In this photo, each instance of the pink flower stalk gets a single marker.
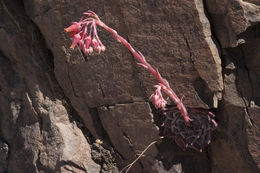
(190, 128)
(89, 21)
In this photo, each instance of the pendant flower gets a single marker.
(87, 41)
(157, 98)
(75, 27)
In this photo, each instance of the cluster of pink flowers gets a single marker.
(84, 33)
(157, 99)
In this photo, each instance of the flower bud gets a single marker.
(90, 50)
(75, 27)
(95, 44)
(103, 48)
(88, 41)
(81, 44)
(76, 39)
(99, 49)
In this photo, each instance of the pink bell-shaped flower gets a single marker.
(157, 98)
(87, 41)
(76, 39)
(75, 27)
(95, 44)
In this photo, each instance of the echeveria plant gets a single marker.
(191, 128)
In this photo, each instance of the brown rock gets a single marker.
(235, 24)
(46, 89)
(131, 129)
(254, 134)
(34, 120)
(235, 117)
(3, 155)
(230, 18)
(183, 52)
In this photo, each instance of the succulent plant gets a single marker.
(191, 128)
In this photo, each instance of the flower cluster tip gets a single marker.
(84, 34)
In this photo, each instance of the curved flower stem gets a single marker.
(166, 88)
(178, 125)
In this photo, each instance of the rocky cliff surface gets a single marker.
(55, 102)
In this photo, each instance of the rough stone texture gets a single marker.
(3, 155)
(238, 114)
(133, 132)
(34, 120)
(182, 53)
(104, 158)
(254, 134)
(231, 136)
(175, 159)
(55, 102)
(235, 24)
(230, 18)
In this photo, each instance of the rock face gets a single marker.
(55, 102)
(36, 119)
(3, 155)
(231, 18)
